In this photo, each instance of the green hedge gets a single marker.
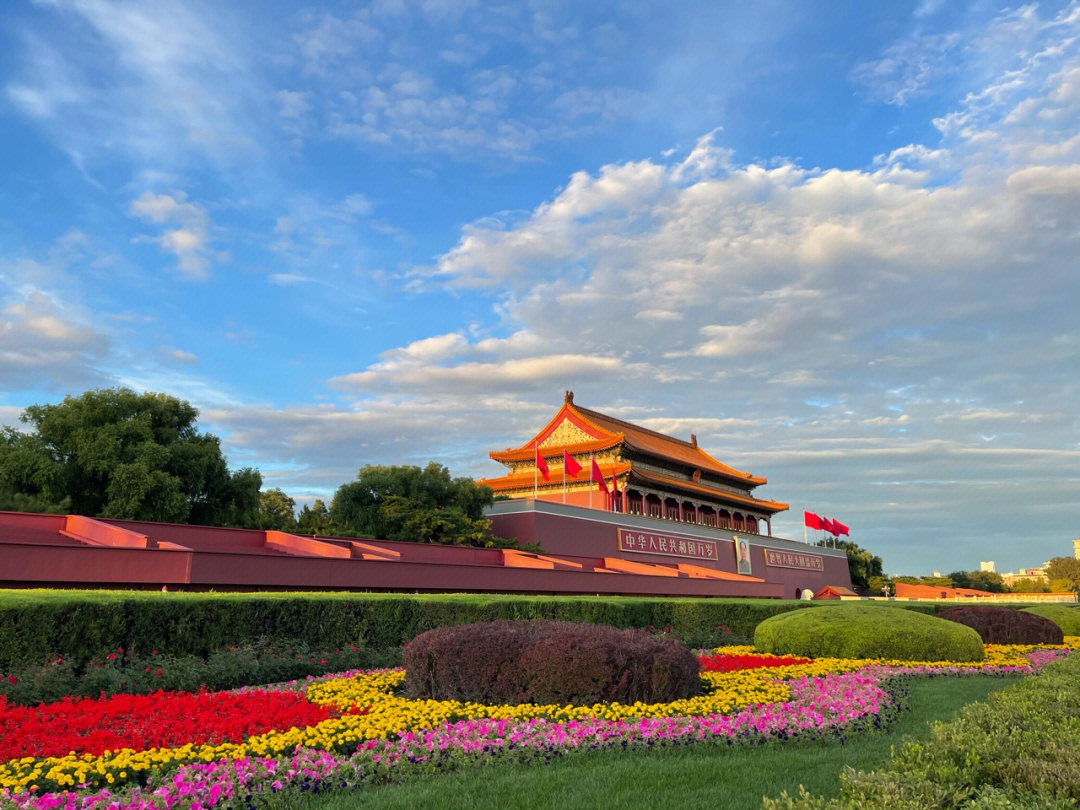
(856, 630)
(1020, 750)
(1067, 617)
(35, 625)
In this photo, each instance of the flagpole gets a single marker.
(591, 459)
(536, 467)
(564, 458)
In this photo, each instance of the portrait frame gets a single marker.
(743, 566)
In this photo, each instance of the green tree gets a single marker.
(861, 563)
(1065, 569)
(1028, 585)
(978, 580)
(315, 519)
(414, 505)
(116, 453)
(277, 511)
(875, 586)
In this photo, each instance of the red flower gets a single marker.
(323, 662)
(153, 652)
(354, 649)
(733, 663)
(120, 650)
(157, 672)
(11, 679)
(148, 669)
(163, 719)
(111, 656)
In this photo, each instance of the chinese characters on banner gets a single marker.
(793, 559)
(651, 543)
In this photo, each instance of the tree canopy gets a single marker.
(115, 453)
(413, 504)
(978, 580)
(861, 563)
(1064, 573)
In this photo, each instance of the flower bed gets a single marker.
(140, 722)
(387, 732)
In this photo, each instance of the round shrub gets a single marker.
(867, 631)
(1067, 617)
(545, 662)
(1001, 625)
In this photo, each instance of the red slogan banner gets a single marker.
(649, 543)
(793, 559)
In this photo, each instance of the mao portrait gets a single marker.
(742, 556)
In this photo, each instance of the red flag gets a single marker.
(841, 528)
(811, 521)
(571, 467)
(541, 465)
(598, 476)
(614, 485)
(830, 526)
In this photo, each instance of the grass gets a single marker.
(689, 777)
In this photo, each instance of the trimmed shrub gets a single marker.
(999, 625)
(867, 631)
(129, 672)
(546, 662)
(1067, 617)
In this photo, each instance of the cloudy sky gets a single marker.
(837, 241)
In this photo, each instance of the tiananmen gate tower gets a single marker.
(646, 473)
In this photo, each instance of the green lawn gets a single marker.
(684, 778)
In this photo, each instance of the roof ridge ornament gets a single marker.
(568, 397)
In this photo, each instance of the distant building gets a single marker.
(1035, 574)
(1076, 549)
(988, 566)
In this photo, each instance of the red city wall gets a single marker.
(74, 551)
(595, 533)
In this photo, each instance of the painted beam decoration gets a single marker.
(667, 544)
(793, 559)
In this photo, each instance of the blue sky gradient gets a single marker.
(836, 240)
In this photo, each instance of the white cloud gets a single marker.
(175, 85)
(188, 240)
(377, 80)
(44, 346)
(906, 69)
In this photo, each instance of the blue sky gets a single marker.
(836, 241)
